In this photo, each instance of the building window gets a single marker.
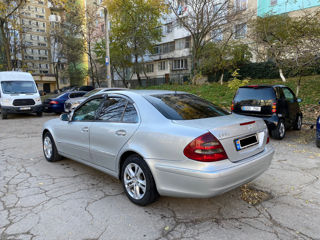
(180, 64)
(162, 65)
(273, 2)
(241, 5)
(240, 30)
(44, 24)
(169, 27)
(149, 68)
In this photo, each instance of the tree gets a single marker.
(217, 57)
(8, 10)
(135, 28)
(205, 20)
(271, 38)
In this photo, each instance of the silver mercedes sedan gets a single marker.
(161, 143)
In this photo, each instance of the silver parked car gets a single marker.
(161, 142)
(72, 103)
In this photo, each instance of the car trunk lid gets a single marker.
(230, 128)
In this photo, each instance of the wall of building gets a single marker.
(284, 6)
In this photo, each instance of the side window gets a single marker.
(87, 111)
(112, 109)
(288, 94)
(130, 115)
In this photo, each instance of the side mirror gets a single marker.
(299, 100)
(65, 117)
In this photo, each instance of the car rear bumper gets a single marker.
(49, 108)
(207, 180)
(22, 109)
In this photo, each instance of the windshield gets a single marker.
(92, 92)
(184, 106)
(254, 94)
(12, 87)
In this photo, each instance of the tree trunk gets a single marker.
(57, 75)
(221, 78)
(137, 70)
(6, 46)
(298, 86)
(281, 75)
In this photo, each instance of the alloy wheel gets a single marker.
(134, 181)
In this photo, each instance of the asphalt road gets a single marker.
(67, 200)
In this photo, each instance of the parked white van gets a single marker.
(19, 94)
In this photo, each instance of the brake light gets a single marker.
(253, 86)
(247, 123)
(53, 102)
(232, 106)
(205, 148)
(274, 107)
(268, 140)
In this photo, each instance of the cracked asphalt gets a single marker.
(67, 200)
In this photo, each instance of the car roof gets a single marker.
(262, 86)
(150, 92)
(15, 76)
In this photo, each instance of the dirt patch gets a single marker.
(254, 196)
(310, 113)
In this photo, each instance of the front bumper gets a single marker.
(209, 179)
(22, 109)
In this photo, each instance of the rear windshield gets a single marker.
(92, 92)
(184, 106)
(254, 94)
(15, 87)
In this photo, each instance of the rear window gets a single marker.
(254, 94)
(184, 106)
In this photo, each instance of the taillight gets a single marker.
(274, 107)
(205, 148)
(232, 106)
(53, 102)
(268, 140)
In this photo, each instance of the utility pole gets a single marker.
(106, 22)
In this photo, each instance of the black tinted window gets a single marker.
(87, 111)
(130, 114)
(184, 106)
(288, 94)
(112, 109)
(254, 94)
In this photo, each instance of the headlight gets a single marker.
(5, 102)
(38, 99)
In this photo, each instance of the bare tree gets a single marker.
(206, 19)
(8, 10)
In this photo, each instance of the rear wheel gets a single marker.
(49, 148)
(138, 182)
(298, 123)
(280, 131)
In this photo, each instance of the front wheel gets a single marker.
(49, 148)
(280, 131)
(39, 114)
(318, 143)
(298, 123)
(138, 182)
(4, 114)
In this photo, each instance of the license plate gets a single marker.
(246, 142)
(251, 108)
(25, 108)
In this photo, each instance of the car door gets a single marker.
(74, 136)
(116, 123)
(291, 105)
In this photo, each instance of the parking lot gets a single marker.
(67, 200)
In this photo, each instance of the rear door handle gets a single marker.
(85, 129)
(121, 133)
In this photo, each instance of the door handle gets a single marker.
(121, 133)
(85, 129)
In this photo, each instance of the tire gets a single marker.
(4, 114)
(298, 123)
(144, 193)
(39, 114)
(318, 143)
(47, 143)
(280, 131)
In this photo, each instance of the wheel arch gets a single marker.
(123, 157)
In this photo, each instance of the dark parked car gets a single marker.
(56, 104)
(86, 88)
(276, 104)
(318, 131)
